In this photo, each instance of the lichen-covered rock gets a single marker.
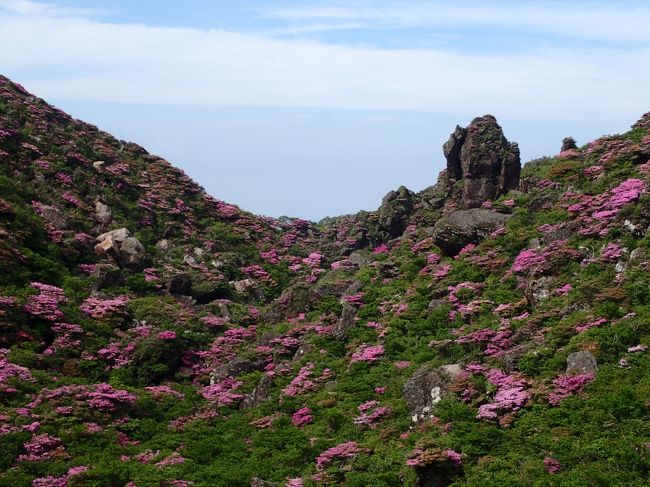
(164, 245)
(118, 235)
(538, 290)
(482, 159)
(582, 362)
(459, 228)
(103, 214)
(427, 387)
(257, 482)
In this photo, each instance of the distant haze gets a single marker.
(320, 109)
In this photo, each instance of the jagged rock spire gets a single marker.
(483, 159)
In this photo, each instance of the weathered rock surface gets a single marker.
(257, 482)
(568, 143)
(427, 387)
(237, 366)
(483, 159)
(118, 235)
(345, 321)
(54, 216)
(102, 213)
(132, 252)
(459, 228)
(107, 275)
(392, 216)
(125, 250)
(258, 395)
(180, 284)
(582, 362)
(164, 245)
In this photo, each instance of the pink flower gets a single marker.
(167, 335)
(367, 353)
(552, 465)
(302, 417)
(349, 449)
(381, 249)
(568, 385)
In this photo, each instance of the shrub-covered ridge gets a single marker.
(197, 344)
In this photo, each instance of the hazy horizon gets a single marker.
(315, 109)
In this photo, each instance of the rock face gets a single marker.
(463, 227)
(393, 213)
(483, 159)
(581, 362)
(568, 143)
(107, 275)
(124, 249)
(102, 213)
(54, 216)
(427, 387)
(180, 284)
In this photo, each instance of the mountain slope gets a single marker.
(471, 334)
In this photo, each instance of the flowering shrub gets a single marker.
(9, 370)
(422, 457)
(105, 397)
(99, 308)
(42, 447)
(371, 413)
(45, 304)
(62, 481)
(300, 382)
(222, 393)
(510, 395)
(367, 353)
(348, 449)
(302, 417)
(527, 259)
(552, 465)
(568, 385)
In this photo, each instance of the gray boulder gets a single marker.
(125, 250)
(164, 245)
(427, 387)
(54, 216)
(459, 228)
(102, 213)
(180, 284)
(581, 362)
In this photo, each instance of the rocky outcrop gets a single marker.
(103, 214)
(582, 362)
(54, 216)
(568, 143)
(459, 228)
(180, 284)
(427, 387)
(393, 214)
(125, 250)
(484, 161)
(107, 275)
(259, 394)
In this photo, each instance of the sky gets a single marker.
(319, 108)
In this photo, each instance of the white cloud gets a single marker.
(79, 57)
(605, 21)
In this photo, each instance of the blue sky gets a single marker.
(318, 108)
